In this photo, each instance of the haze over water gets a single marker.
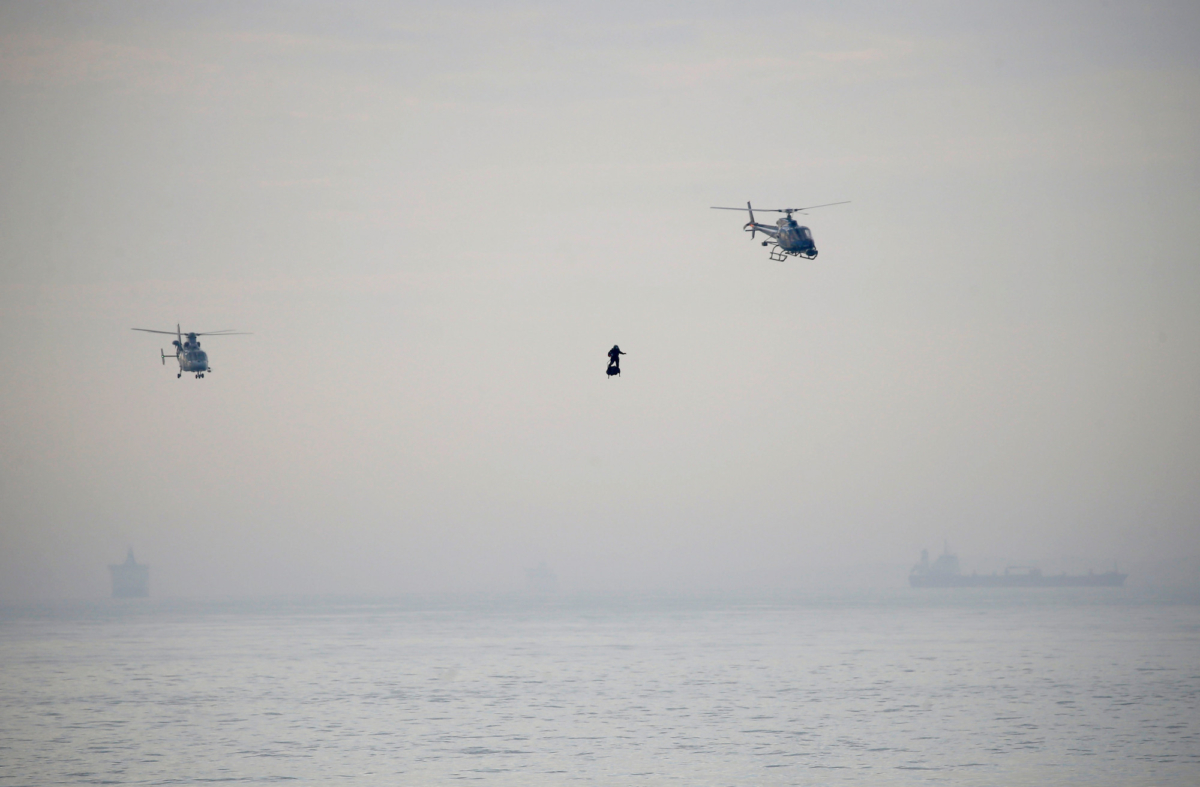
(436, 220)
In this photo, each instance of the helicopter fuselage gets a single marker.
(789, 236)
(191, 358)
(193, 361)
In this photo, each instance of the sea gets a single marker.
(955, 687)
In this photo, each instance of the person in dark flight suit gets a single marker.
(614, 358)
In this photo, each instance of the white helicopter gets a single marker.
(191, 358)
(789, 238)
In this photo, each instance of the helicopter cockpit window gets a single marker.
(806, 233)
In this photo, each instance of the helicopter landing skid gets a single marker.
(779, 255)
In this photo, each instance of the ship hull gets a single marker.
(1108, 579)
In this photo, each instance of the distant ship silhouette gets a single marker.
(943, 573)
(130, 579)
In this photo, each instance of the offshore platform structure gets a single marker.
(130, 579)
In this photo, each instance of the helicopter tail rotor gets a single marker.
(751, 225)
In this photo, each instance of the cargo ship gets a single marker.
(944, 573)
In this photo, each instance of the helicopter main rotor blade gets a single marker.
(810, 207)
(775, 210)
(788, 210)
(771, 210)
(226, 332)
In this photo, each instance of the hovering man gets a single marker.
(614, 359)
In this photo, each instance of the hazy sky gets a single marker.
(437, 218)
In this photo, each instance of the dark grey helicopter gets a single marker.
(191, 358)
(789, 238)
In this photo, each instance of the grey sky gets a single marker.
(436, 219)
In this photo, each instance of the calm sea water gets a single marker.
(962, 688)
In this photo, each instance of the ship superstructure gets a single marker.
(130, 579)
